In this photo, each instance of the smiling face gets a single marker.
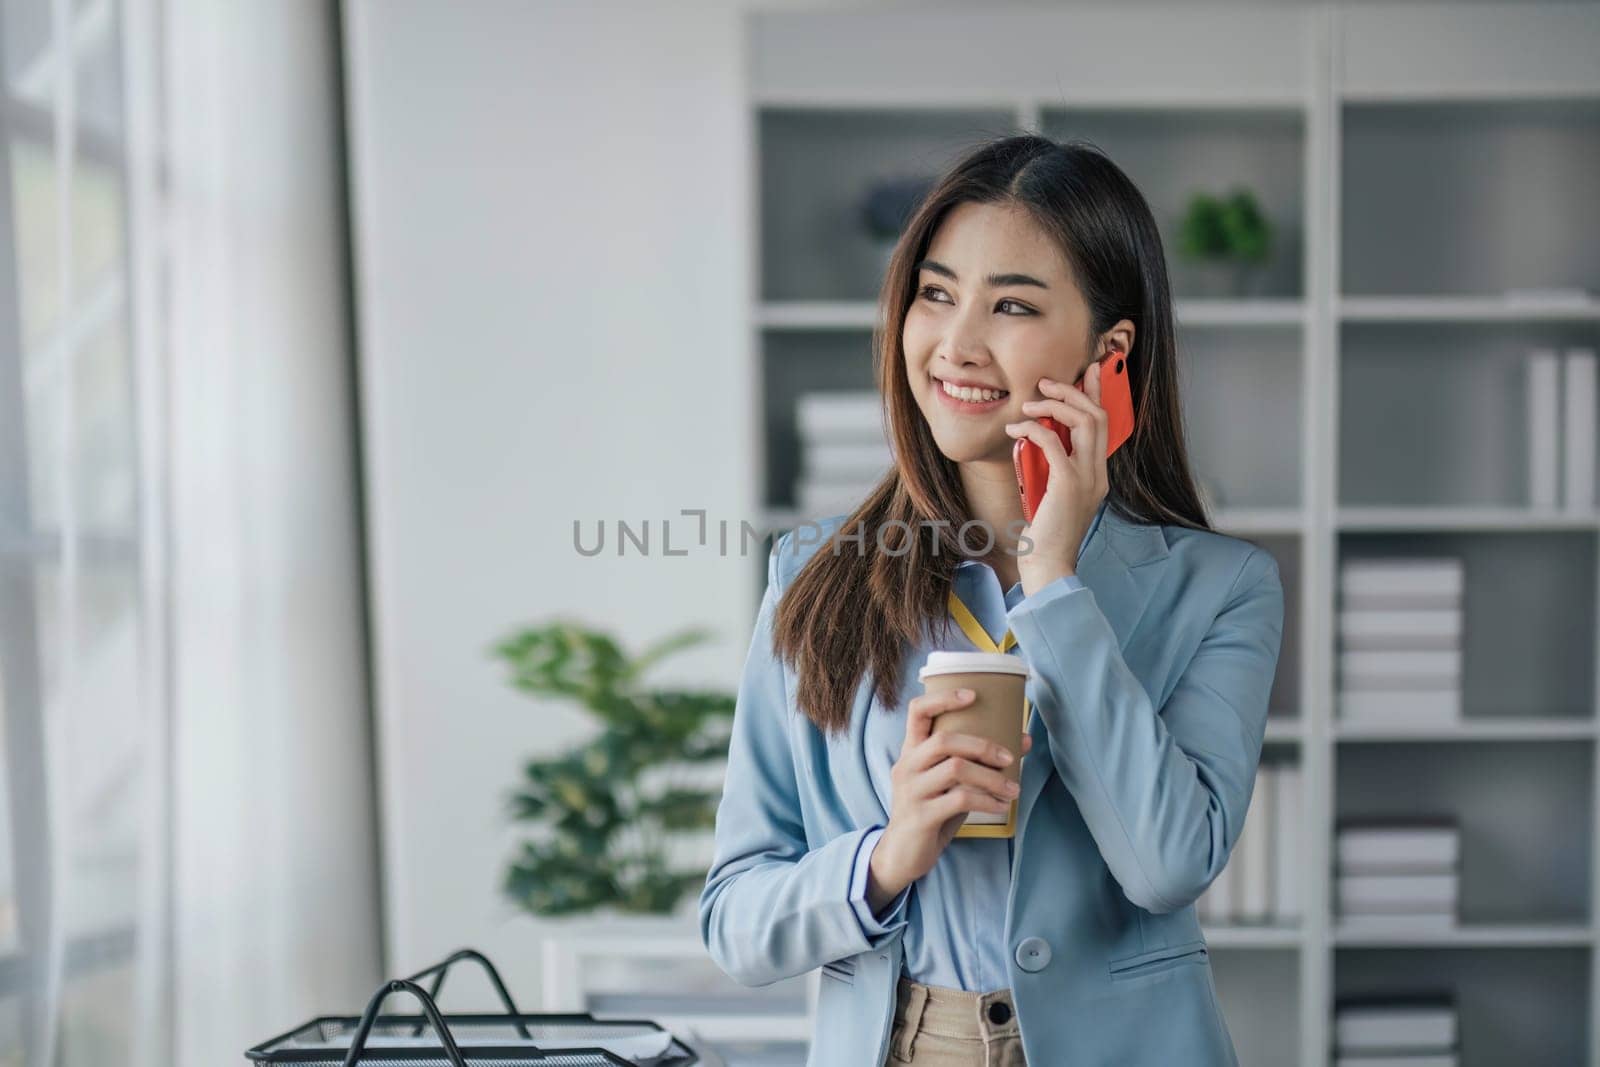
(995, 309)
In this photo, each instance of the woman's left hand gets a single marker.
(1077, 483)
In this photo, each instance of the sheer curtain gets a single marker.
(187, 853)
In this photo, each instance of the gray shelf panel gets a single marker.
(1436, 414)
(1241, 393)
(1289, 552)
(799, 362)
(1514, 1006)
(1259, 990)
(1528, 625)
(1526, 840)
(815, 167)
(1469, 197)
(1172, 154)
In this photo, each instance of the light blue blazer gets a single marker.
(1150, 687)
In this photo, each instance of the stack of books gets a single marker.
(843, 450)
(1398, 876)
(1561, 395)
(1400, 624)
(1261, 882)
(1395, 1032)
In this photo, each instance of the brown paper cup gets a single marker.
(997, 714)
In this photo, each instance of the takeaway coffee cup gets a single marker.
(997, 681)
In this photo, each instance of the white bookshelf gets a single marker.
(1419, 162)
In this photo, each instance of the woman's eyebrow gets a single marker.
(994, 280)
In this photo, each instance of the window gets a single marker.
(83, 833)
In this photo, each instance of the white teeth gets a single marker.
(972, 396)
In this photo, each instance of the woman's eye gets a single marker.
(934, 293)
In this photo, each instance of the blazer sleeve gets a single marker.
(772, 909)
(1164, 792)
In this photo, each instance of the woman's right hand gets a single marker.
(937, 780)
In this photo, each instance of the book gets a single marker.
(1286, 851)
(1429, 706)
(847, 461)
(1397, 845)
(1397, 892)
(1577, 422)
(1367, 628)
(1374, 668)
(1397, 923)
(1222, 892)
(855, 415)
(1543, 376)
(814, 497)
(1400, 575)
(1373, 600)
(1394, 1024)
(1253, 852)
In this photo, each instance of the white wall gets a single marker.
(551, 255)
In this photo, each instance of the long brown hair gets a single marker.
(855, 607)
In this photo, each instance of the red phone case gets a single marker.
(1033, 467)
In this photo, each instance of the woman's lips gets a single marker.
(967, 407)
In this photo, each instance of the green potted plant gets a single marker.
(1228, 239)
(604, 813)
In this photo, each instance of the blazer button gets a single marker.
(1033, 954)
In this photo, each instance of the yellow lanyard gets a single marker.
(974, 629)
(979, 636)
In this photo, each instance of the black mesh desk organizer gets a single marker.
(509, 1039)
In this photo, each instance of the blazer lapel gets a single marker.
(1121, 565)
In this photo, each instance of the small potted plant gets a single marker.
(1227, 239)
(605, 814)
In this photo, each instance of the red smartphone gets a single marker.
(1116, 396)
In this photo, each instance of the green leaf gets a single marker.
(666, 647)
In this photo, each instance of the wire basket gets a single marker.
(432, 1039)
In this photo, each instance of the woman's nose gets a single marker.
(965, 341)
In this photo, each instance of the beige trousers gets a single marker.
(939, 1027)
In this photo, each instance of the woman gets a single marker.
(1152, 642)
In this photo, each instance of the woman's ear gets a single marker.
(1119, 337)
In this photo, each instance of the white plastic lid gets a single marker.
(968, 662)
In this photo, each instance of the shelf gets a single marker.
(1525, 812)
(1463, 309)
(1527, 636)
(1282, 730)
(1259, 520)
(1468, 935)
(1406, 520)
(817, 315)
(1099, 98)
(1368, 401)
(1425, 213)
(1217, 312)
(1516, 1003)
(1244, 936)
(817, 167)
(1482, 729)
(863, 314)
